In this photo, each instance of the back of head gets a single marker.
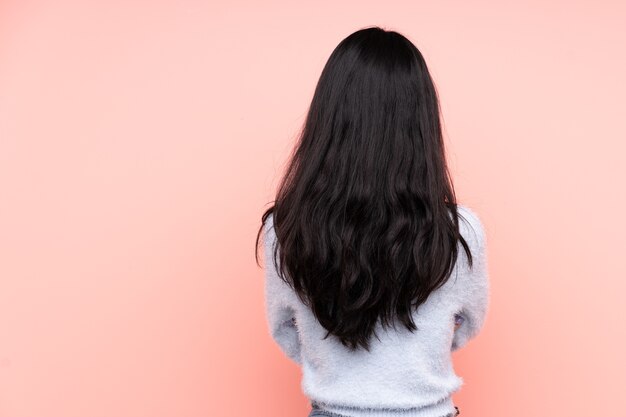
(365, 216)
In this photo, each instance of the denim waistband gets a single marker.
(441, 409)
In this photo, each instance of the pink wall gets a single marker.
(140, 142)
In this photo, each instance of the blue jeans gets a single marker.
(322, 413)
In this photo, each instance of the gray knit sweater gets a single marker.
(405, 374)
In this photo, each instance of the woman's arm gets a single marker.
(475, 287)
(278, 301)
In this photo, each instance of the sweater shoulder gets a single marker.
(471, 227)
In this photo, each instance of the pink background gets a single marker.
(141, 140)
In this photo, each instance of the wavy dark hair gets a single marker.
(366, 216)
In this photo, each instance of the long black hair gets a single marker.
(366, 216)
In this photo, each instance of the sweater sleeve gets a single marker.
(475, 289)
(279, 311)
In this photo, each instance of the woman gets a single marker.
(374, 273)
